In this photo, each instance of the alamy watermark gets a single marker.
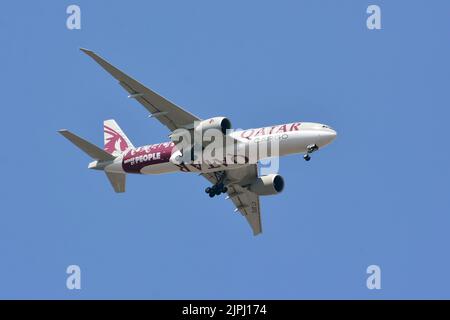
(209, 144)
(374, 279)
(73, 21)
(374, 20)
(73, 281)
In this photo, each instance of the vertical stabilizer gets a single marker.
(115, 141)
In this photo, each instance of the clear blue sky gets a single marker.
(378, 195)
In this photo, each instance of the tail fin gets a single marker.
(116, 142)
(91, 150)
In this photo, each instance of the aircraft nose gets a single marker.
(330, 134)
(327, 136)
(333, 134)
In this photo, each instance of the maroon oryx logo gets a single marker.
(114, 142)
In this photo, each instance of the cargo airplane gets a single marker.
(234, 174)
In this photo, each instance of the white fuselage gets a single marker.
(252, 144)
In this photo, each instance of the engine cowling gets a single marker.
(268, 185)
(218, 123)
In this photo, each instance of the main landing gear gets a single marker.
(310, 149)
(216, 190)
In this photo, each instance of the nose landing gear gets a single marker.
(216, 190)
(310, 149)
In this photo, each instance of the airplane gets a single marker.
(239, 179)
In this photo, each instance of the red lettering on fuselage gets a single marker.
(247, 134)
(294, 126)
(260, 132)
(282, 128)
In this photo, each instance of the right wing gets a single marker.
(169, 114)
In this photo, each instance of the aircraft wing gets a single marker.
(169, 114)
(246, 202)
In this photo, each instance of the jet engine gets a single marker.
(268, 185)
(218, 123)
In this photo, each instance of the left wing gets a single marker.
(246, 202)
(169, 114)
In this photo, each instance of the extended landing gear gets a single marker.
(216, 190)
(310, 149)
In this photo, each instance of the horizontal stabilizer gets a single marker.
(117, 181)
(92, 150)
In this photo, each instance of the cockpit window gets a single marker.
(326, 127)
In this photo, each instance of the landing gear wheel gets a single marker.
(216, 190)
(307, 157)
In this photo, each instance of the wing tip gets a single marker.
(87, 51)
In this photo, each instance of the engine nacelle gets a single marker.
(268, 185)
(219, 123)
